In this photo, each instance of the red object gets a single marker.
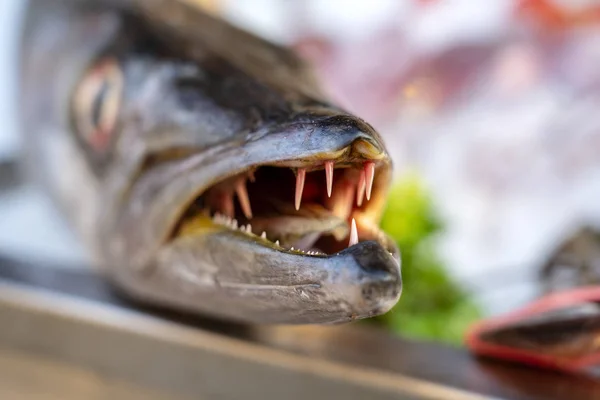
(567, 337)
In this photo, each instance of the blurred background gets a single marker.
(491, 111)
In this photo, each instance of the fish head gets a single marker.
(233, 191)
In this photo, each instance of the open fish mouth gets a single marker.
(282, 228)
(317, 206)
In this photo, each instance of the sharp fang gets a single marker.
(277, 242)
(360, 191)
(300, 177)
(242, 194)
(263, 235)
(329, 176)
(370, 175)
(353, 234)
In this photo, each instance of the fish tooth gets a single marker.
(242, 194)
(360, 189)
(292, 249)
(353, 234)
(329, 176)
(370, 175)
(300, 177)
(234, 224)
(277, 242)
(263, 235)
(249, 228)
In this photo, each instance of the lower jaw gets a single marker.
(325, 245)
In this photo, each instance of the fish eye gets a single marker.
(96, 102)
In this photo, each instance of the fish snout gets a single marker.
(376, 279)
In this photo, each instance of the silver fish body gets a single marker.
(144, 121)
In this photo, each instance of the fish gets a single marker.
(559, 331)
(202, 167)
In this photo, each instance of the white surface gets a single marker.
(29, 226)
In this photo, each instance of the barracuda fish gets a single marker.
(202, 167)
